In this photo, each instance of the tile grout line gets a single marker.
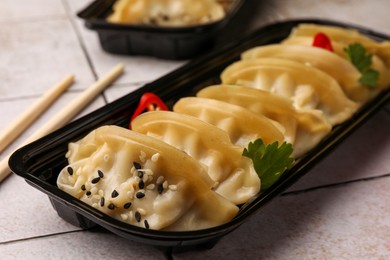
(82, 44)
(297, 192)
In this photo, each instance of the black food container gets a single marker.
(40, 162)
(175, 43)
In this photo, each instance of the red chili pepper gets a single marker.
(149, 102)
(321, 40)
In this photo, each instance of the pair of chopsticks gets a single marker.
(64, 116)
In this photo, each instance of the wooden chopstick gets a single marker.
(18, 125)
(68, 112)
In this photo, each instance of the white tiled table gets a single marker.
(339, 210)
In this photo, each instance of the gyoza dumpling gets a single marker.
(340, 38)
(242, 125)
(303, 129)
(166, 12)
(339, 68)
(143, 181)
(307, 87)
(234, 174)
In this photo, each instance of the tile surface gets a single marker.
(339, 210)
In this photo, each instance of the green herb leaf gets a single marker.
(269, 161)
(358, 56)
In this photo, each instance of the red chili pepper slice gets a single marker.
(149, 102)
(321, 40)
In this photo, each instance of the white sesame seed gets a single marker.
(78, 172)
(155, 157)
(101, 193)
(150, 186)
(131, 215)
(165, 184)
(142, 156)
(160, 179)
(124, 217)
(141, 211)
(172, 187)
(95, 205)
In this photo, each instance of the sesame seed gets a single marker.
(140, 174)
(137, 216)
(95, 180)
(88, 193)
(95, 205)
(124, 216)
(172, 187)
(155, 157)
(160, 179)
(142, 156)
(127, 205)
(146, 224)
(141, 211)
(165, 184)
(70, 170)
(160, 188)
(150, 186)
(102, 200)
(101, 193)
(114, 194)
(137, 165)
(140, 195)
(100, 173)
(83, 187)
(141, 184)
(111, 206)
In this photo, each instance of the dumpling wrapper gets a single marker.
(242, 125)
(187, 201)
(307, 87)
(340, 38)
(303, 129)
(235, 177)
(166, 12)
(339, 68)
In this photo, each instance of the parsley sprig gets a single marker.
(269, 161)
(358, 56)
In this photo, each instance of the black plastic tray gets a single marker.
(162, 42)
(40, 162)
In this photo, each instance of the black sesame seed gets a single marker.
(127, 205)
(137, 216)
(95, 180)
(140, 195)
(141, 175)
(111, 206)
(102, 200)
(70, 170)
(83, 187)
(137, 165)
(160, 188)
(114, 194)
(141, 184)
(146, 224)
(100, 173)
(88, 193)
